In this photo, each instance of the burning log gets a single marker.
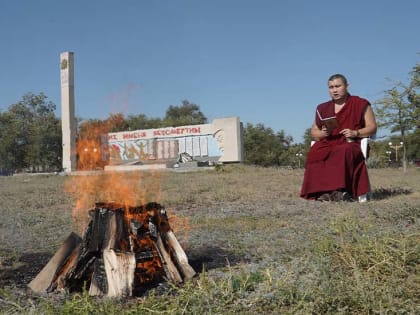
(119, 269)
(169, 267)
(180, 256)
(44, 278)
(124, 251)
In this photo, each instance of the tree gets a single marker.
(186, 114)
(30, 135)
(398, 110)
(137, 122)
(395, 111)
(413, 139)
(116, 122)
(264, 147)
(307, 139)
(11, 143)
(414, 95)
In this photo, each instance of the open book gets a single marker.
(329, 122)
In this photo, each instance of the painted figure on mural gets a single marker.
(335, 166)
(219, 135)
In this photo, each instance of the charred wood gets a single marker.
(124, 251)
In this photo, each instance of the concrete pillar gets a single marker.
(68, 120)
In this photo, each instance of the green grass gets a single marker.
(258, 248)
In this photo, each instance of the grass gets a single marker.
(257, 246)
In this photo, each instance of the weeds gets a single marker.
(258, 248)
(367, 270)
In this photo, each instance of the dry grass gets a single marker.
(259, 248)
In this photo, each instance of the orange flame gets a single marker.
(126, 188)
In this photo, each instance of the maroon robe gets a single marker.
(333, 163)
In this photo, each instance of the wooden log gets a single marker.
(179, 254)
(169, 266)
(107, 258)
(44, 278)
(119, 269)
(86, 264)
(113, 233)
(98, 284)
(60, 281)
(95, 290)
(107, 229)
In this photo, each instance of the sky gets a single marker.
(265, 61)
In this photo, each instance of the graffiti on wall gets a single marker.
(132, 146)
(198, 141)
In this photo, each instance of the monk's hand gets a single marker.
(325, 132)
(348, 133)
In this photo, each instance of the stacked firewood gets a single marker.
(124, 251)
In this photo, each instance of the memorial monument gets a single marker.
(68, 120)
(217, 142)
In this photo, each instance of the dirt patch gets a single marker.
(18, 273)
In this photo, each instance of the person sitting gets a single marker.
(335, 167)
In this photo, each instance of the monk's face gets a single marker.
(337, 89)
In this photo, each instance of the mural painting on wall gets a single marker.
(160, 144)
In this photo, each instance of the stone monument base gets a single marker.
(124, 168)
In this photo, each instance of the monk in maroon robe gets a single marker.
(335, 164)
